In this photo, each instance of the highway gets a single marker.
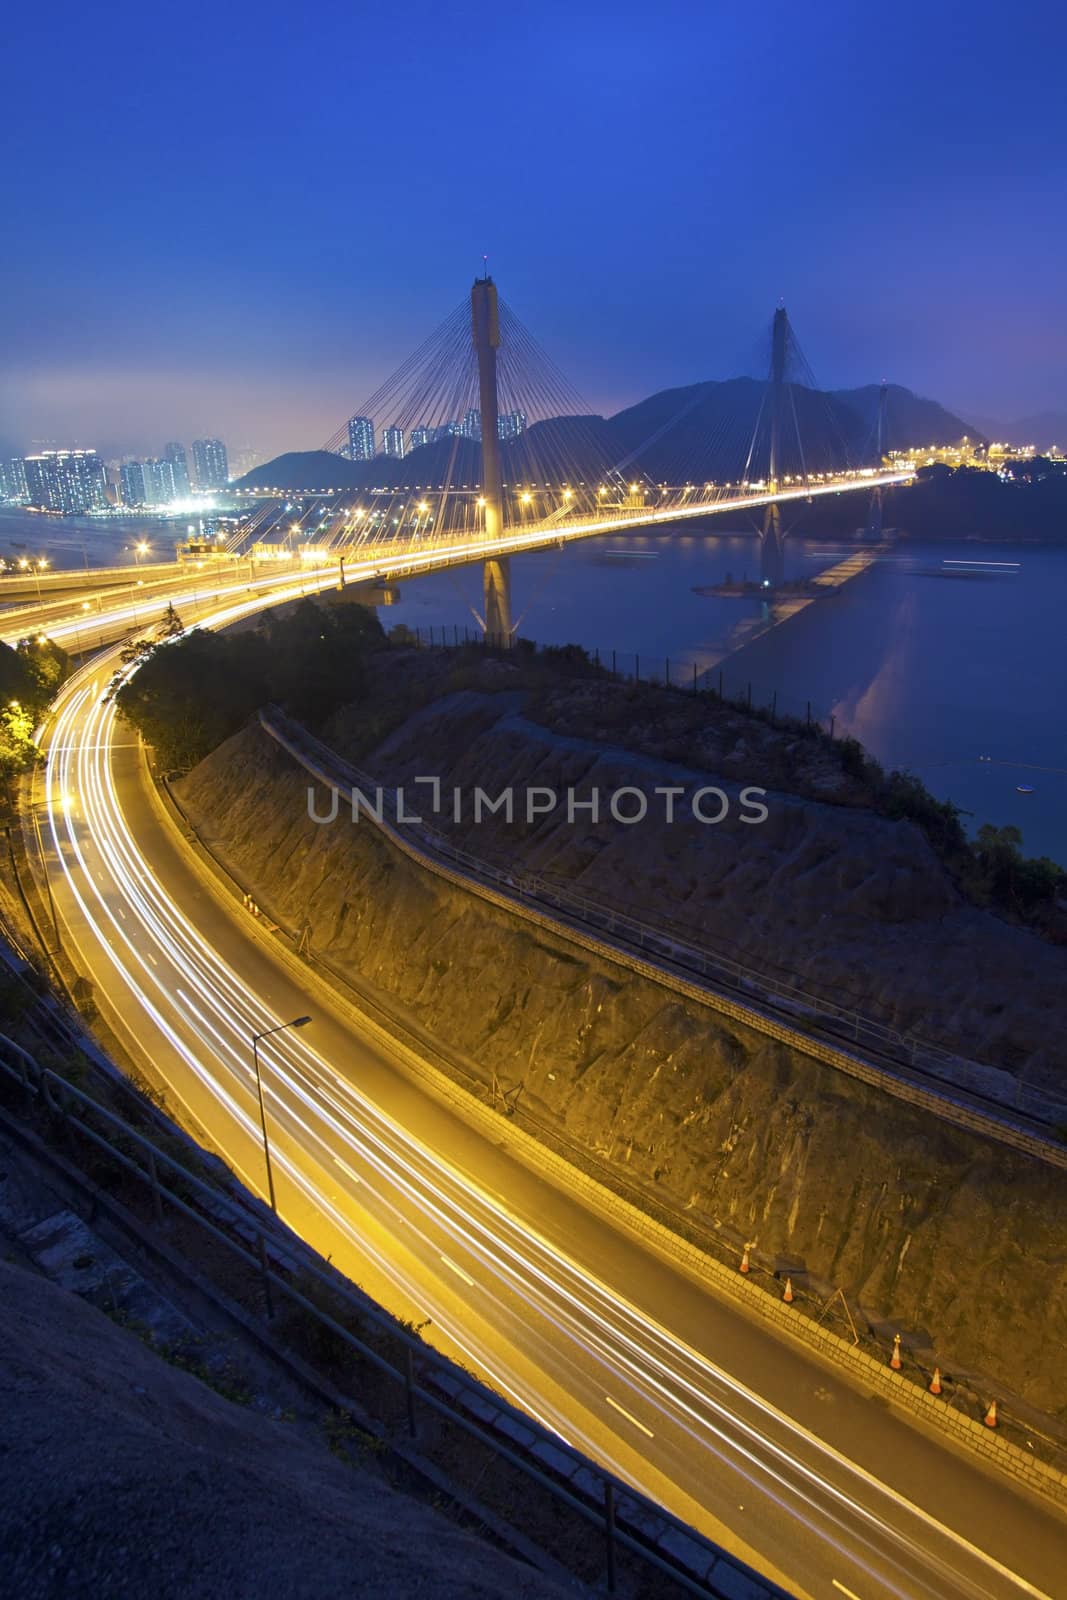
(70, 604)
(607, 1341)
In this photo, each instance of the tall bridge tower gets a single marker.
(771, 557)
(874, 513)
(485, 328)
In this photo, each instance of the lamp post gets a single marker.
(35, 567)
(297, 1022)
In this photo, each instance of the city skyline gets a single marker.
(914, 232)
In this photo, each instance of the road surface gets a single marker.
(614, 1346)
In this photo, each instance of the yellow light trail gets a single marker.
(583, 1344)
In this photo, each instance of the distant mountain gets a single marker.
(1043, 429)
(706, 431)
(302, 470)
(910, 420)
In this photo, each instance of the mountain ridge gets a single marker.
(716, 429)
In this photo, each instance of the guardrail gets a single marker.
(712, 1572)
(796, 1007)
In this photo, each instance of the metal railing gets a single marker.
(154, 1167)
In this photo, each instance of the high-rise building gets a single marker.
(210, 464)
(179, 465)
(361, 438)
(158, 482)
(447, 430)
(242, 461)
(147, 483)
(511, 424)
(131, 477)
(13, 479)
(392, 441)
(70, 481)
(418, 437)
(472, 425)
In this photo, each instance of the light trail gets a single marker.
(547, 1331)
(388, 560)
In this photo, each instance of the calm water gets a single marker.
(86, 541)
(932, 673)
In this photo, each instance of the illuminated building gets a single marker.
(210, 464)
(179, 466)
(70, 481)
(361, 438)
(511, 424)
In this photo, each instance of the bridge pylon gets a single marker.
(874, 511)
(485, 328)
(772, 561)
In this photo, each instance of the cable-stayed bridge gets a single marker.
(477, 448)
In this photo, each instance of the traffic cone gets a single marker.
(894, 1359)
(935, 1381)
(744, 1260)
(991, 1415)
(788, 1293)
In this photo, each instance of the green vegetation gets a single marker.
(190, 693)
(29, 678)
(188, 696)
(990, 869)
(1028, 882)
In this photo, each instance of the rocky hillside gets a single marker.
(954, 1236)
(823, 894)
(126, 1477)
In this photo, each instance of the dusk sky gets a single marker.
(237, 219)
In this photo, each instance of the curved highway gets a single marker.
(609, 1343)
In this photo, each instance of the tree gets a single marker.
(17, 749)
(47, 664)
(172, 626)
(189, 695)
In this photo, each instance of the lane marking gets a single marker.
(624, 1413)
(345, 1168)
(847, 1592)
(458, 1271)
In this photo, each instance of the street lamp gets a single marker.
(297, 1022)
(35, 568)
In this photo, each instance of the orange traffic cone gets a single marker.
(788, 1294)
(894, 1359)
(991, 1415)
(935, 1381)
(744, 1260)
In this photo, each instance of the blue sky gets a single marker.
(238, 218)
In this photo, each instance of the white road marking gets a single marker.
(458, 1271)
(345, 1168)
(847, 1592)
(624, 1413)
